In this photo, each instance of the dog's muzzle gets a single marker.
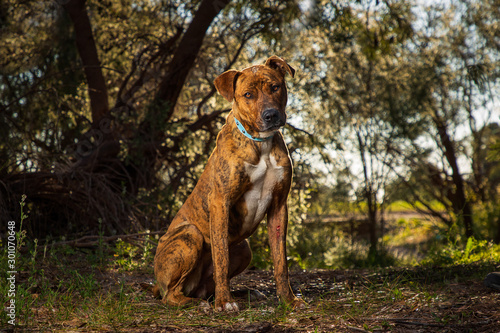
(273, 119)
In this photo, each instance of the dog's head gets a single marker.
(258, 94)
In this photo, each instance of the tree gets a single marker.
(80, 157)
(393, 96)
(357, 113)
(453, 74)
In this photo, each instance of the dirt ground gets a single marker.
(433, 300)
(392, 300)
(398, 300)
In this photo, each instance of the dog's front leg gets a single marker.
(277, 221)
(219, 223)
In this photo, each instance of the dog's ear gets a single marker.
(276, 62)
(225, 84)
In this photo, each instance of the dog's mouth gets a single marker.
(276, 127)
(273, 127)
(270, 130)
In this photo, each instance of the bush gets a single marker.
(320, 245)
(454, 253)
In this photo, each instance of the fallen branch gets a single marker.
(404, 321)
(91, 241)
(356, 329)
(416, 323)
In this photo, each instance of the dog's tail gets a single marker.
(156, 291)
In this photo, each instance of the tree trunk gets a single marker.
(461, 205)
(98, 143)
(182, 62)
(152, 130)
(497, 236)
(371, 200)
(87, 50)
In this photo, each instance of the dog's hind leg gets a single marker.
(177, 265)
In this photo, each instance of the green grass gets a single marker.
(404, 206)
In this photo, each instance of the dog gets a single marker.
(247, 176)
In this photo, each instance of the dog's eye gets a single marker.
(248, 95)
(275, 87)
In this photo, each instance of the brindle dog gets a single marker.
(247, 176)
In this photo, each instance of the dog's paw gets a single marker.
(227, 307)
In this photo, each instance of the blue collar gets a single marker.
(245, 133)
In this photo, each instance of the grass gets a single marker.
(404, 206)
(77, 290)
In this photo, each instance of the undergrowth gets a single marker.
(454, 253)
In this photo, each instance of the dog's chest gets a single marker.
(263, 176)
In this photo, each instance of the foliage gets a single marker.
(455, 254)
(147, 156)
(410, 98)
(387, 104)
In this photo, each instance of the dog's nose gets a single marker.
(271, 116)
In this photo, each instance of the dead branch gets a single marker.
(405, 321)
(92, 241)
(356, 329)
